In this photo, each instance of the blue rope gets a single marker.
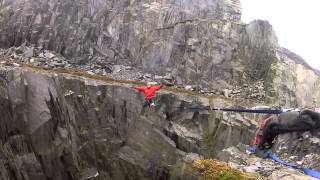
(258, 111)
(274, 157)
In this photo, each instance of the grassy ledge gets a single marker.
(211, 169)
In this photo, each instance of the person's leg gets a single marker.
(146, 103)
(152, 102)
(269, 133)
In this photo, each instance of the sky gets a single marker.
(296, 23)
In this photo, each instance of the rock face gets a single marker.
(57, 126)
(187, 37)
(203, 45)
(292, 82)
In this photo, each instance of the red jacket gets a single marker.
(149, 92)
(259, 139)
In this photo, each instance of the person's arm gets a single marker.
(156, 88)
(139, 88)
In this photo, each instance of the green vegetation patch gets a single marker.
(211, 169)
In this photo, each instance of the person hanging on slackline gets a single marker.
(149, 92)
(286, 122)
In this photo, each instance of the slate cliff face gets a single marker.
(190, 39)
(201, 44)
(57, 126)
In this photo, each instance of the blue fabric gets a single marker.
(277, 159)
(273, 156)
(311, 172)
(252, 149)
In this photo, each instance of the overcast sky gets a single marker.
(296, 23)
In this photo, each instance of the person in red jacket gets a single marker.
(149, 92)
